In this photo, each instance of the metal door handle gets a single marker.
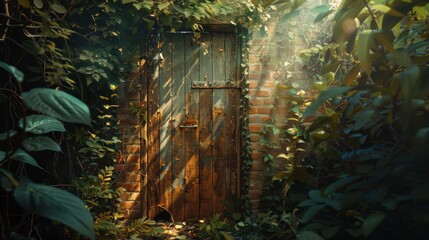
(188, 126)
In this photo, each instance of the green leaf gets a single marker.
(338, 184)
(40, 143)
(323, 15)
(18, 75)
(281, 175)
(58, 8)
(401, 57)
(363, 119)
(386, 10)
(325, 95)
(371, 223)
(409, 81)
(417, 46)
(345, 25)
(38, 3)
(8, 134)
(55, 204)
(308, 235)
(2, 156)
(352, 74)
(163, 5)
(22, 156)
(40, 124)
(311, 212)
(57, 104)
(366, 41)
(24, 3)
(321, 9)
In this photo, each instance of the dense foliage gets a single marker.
(364, 174)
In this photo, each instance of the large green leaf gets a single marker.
(367, 41)
(311, 212)
(325, 95)
(345, 25)
(40, 143)
(40, 124)
(55, 204)
(57, 104)
(22, 156)
(13, 70)
(338, 184)
(308, 235)
(372, 222)
(409, 81)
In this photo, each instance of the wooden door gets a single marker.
(193, 157)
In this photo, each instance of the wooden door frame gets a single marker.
(148, 74)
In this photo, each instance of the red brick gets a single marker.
(255, 184)
(130, 196)
(255, 194)
(255, 67)
(256, 156)
(255, 128)
(265, 84)
(127, 177)
(258, 166)
(258, 176)
(260, 92)
(257, 101)
(260, 110)
(254, 59)
(256, 146)
(259, 76)
(259, 118)
(133, 187)
(255, 137)
(130, 205)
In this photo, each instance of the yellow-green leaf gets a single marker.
(58, 8)
(38, 3)
(372, 222)
(24, 3)
(163, 5)
(387, 10)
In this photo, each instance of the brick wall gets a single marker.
(272, 62)
(269, 58)
(130, 160)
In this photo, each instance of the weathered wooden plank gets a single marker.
(165, 81)
(153, 140)
(191, 134)
(178, 136)
(219, 130)
(205, 127)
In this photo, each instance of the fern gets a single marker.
(143, 226)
